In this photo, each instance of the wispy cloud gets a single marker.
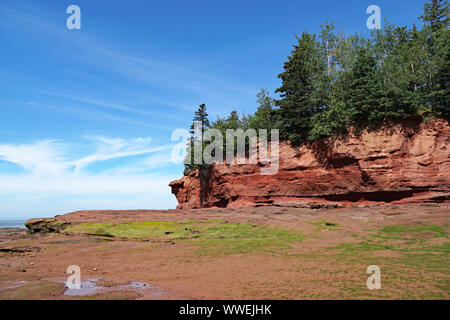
(161, 77)
(90, 113)
(53, 174)
(110, 81)
(51, 157)
(101, 103)
(44, 157)
(117, 148)
(86, 99)
(26, 196)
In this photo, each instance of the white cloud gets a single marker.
(157, 160)
(71, 184)
(117, 148)
(54, 182)
(41, 157)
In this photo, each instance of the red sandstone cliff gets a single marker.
(404, 163)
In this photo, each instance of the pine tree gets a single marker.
(436, 29)
(297, 105)
(264, 117)
(418, 64)
(441, 97)
(200, 116)
(364, 91)
(329, 47)
(436, 15)
(336, 81)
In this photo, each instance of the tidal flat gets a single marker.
(264, 252)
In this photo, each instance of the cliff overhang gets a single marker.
(407, 162)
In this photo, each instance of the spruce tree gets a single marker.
(336, 81)
(296, 103)
(436, 29)
(264, 116)
(201, 116)
(364, 91)
(441, 97)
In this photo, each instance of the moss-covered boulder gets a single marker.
(45, 225)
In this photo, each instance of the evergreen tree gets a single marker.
(336, 117)
(363, 90)
(436, 29)
(329, 43)
(337, 81)
(397, 80)
(418, 65)
(264, 117)
(297, 105)
(233, 121)
(436, 15)
(194, 142)
(441, 96)
(201, 116)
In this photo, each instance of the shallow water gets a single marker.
(13, 285)
(12, 224)
(87, 287)
(150, 290)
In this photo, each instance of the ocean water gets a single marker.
(12, 224)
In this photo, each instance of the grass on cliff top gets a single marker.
(213, 236)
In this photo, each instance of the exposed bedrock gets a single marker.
(409, 162)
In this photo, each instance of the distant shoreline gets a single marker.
(12, 224)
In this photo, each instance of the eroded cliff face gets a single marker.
(405, 163)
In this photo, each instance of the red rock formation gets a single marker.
(400, 164)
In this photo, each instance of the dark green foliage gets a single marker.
(441, 98)
(264, 117)
(297, 91)
(201, 116)
(234, 121)
(437, 44)
(334, 81)
(363, 89)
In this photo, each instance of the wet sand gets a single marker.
(410, 244)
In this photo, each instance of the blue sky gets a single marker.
(86, 115)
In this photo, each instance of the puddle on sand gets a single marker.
(149, 290)
(87, 287)
(90, 287)
(13, 285)
(136, 285)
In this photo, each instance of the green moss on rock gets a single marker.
(45, 225)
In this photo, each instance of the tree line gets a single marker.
(333, 81)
